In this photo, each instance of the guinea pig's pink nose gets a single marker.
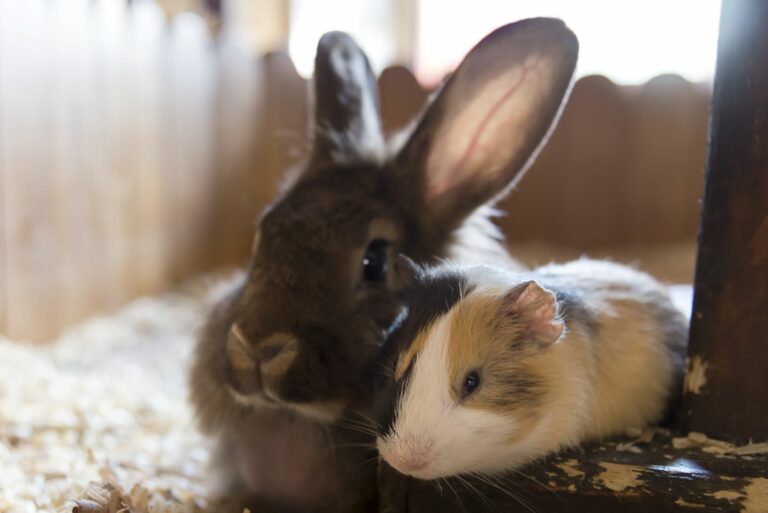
(414, 463)
(408, 455)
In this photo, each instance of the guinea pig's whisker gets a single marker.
(473, 489)
(359, 423)
(366, 418)
(365, 430)
(489, 481)
(386, 370)
(326, 432)
(360, 445)
(505, 481)
(356, 422)
(451, 487)
(534, 480)
(365, 463)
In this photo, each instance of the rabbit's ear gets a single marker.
(347, 124)
(483, 129)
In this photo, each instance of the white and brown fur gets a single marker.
(285, 358)
(565, 353)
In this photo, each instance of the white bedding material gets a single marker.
(106, 403)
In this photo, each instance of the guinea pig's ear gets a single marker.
(534, 309)
(347, 124)
(477, 137)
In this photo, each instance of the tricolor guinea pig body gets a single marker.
(493, 369)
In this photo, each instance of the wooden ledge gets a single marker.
(626, 476)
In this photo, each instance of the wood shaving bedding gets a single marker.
(99, 421)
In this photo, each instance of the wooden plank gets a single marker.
(3, 200)
(665, 160)
(69, 150)
(121, 173)
(238, 94)
(26, 106)
(147, 30)
(196, 122)
(402, 98)
(607, 477)
(110, 188)
(188, 150)
(282, 130)
(728, 352)
(575, 193)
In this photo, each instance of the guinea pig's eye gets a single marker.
(375, 261)
(471, 382)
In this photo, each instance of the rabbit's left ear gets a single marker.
(347, 124)
(485, 126)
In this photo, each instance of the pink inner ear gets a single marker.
(545, 324)
(453, 176)
(540, 309)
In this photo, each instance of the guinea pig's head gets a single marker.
(465, 387)
(319, 298)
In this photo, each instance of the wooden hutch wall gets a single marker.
(136, 152)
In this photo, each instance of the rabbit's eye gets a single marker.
(375, 260)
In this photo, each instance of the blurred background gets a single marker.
(140, 139)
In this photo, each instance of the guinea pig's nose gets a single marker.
(276, 353)
(408, 454)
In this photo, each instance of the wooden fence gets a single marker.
(136, 152)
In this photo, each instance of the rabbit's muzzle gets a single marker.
(258, 369)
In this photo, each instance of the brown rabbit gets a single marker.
(280, 370)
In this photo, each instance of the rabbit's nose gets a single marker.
(266, 353)
(276, 353)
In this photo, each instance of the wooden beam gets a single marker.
(615, 476)
(728, 352)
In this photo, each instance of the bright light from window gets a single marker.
(630, 42)
(368, 21)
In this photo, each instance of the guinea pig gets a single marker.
(493, 369)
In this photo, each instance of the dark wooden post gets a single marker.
(727, 385)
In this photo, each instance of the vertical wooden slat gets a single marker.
(30, 249)
(282, 128)
(728, 351)
(147, 28)
(665, 160)
(238, 93)
(173, 159)
(191, 138)
(3, 199)
(573, 193)
(111, 186)
(401, 98)
(123, 151)
(69, 154)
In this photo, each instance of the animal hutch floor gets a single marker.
(99, 418)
